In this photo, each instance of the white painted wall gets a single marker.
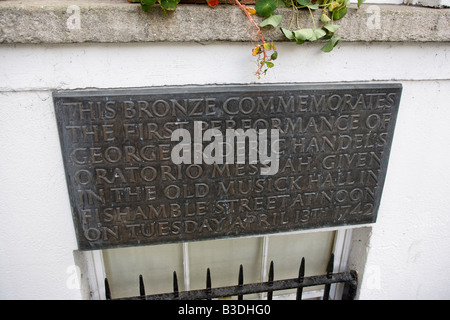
(409, 250)
(37, 239)
(36, 234)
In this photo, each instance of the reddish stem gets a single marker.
(244, 8)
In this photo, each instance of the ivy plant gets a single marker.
(322, 30)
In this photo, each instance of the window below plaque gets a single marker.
(191, 260)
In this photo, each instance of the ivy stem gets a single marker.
(294, 15)
(260, 35)
(312, 17)
(250, 18)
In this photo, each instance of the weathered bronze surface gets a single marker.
(125, 190)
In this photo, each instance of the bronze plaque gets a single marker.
(173, 164)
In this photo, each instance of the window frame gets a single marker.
(95, 267)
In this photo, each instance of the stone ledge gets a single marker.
(117, 21)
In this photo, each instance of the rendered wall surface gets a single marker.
(37, 238)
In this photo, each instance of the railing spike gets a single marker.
(241, 280)
(141, 286)
(107, 290)
(270, 282)
(208, 283)
(175, 284)
(301, 277)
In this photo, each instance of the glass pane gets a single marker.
(287, 251)
(223, 257)
(156, 264)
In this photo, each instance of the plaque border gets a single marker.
(58, 95)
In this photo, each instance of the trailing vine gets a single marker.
(265, 52)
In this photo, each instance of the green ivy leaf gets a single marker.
(314, 6)
(339, 13)
(282, 4)
(147, 4)
(319, 33)
(288, 33)
(264, 8)
(273, 21)
(305, 34)
(268, 64)
(330, 44)
(303, 2)
(169, 5)
(331, 27)
(324, 18)
(333, 5)
(274, 56)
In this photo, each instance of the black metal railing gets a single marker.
(349, 279)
